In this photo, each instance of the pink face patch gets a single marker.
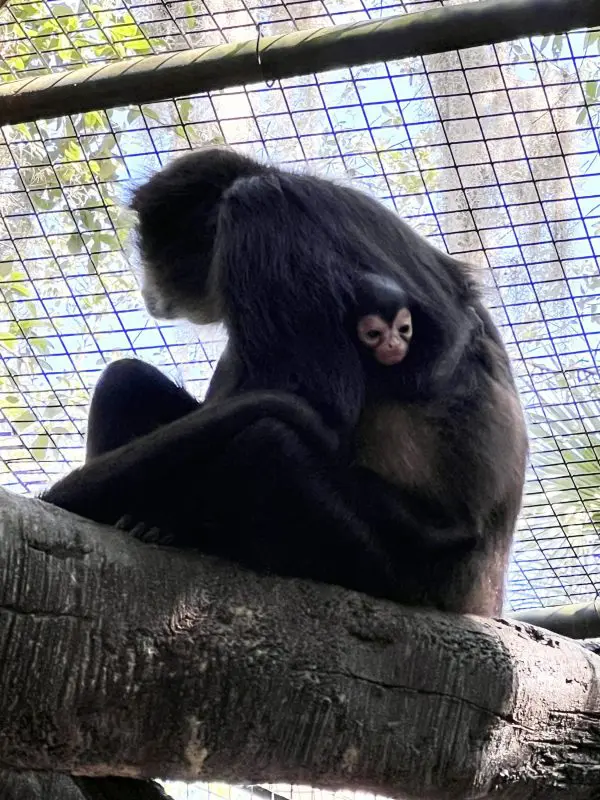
(388, 342)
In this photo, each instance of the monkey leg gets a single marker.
(163, 471)
(131, 399)
(249, 479)
(273, 504)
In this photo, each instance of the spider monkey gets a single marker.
(362, 427)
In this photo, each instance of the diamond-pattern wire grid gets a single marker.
(492, 152)
(278, 791)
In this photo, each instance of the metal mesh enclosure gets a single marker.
(221, 791)
(491, 152)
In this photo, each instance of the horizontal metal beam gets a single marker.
(152, 78)
(578, 621)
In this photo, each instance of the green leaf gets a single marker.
(140, 46)
(591, 38)
(151, 114)
(41, 442)
(557, 45)
(74, 244)
(94, 120)
(582, 116)
(185, 108)
(591, 90)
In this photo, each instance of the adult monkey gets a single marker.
(420, 500)
(397, 474)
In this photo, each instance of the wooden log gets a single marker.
(126, 659)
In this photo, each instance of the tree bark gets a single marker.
(126, 659)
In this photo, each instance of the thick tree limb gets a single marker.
(117, 657)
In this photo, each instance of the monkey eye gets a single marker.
(404, 329)
(373, 334)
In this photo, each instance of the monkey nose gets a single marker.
(156, 307)
(390, 356)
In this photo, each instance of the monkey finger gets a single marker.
(139, 531)
(151, 536)
(124, 523)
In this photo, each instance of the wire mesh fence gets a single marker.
(221, 791)
(491, 152)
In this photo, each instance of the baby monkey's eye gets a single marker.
(373, 334)
(404, 329)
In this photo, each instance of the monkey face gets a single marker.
(178, 210)
(388, 341)
(168, 295)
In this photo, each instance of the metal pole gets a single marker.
(578, 621)
(151, 78)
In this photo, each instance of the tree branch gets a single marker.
(121, 658)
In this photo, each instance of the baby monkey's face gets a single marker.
(388, 338)
(383, 319)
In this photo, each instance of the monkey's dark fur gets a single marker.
(308, 457)
(403, 482)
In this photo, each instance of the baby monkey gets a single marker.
(384, 321)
